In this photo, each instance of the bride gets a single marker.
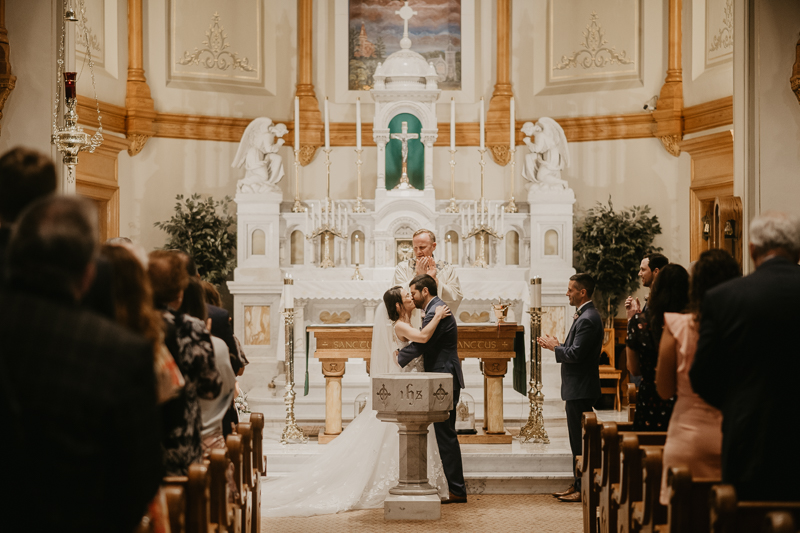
(358, 468)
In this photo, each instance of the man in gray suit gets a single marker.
(579, 356)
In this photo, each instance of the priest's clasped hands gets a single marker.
(426, 265)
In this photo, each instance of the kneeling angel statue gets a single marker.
(258, 153)
(549, 154)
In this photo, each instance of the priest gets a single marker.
(423, 262)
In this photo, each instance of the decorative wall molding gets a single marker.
(594, 53)
(718, 38)
(710, 115)
(7, 80)
(669, 110)
(497, 118)
(140, 109)
(311, 125)
(215, 53)
(200, 127)
(724, 37)
(97, 179)
(113, 115)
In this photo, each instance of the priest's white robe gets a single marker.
(448, 286)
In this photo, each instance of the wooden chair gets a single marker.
(259, 466)
(688, 501)
(728, 515)
(632, 393)
(196, 501)
(610, 371)
(587, 465)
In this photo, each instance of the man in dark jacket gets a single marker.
(77, 391)
(747, 363)
(579, 356)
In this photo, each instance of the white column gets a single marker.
(381, 164)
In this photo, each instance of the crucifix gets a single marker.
(405, 13)
(403, 138)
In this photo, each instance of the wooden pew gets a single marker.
(259, 466)
(176, 507)
(632, 393)
(587, 465)
(728, 515)
(221, 506)
(196, 499)
(248, 475)
(607, 479)
(234, 444)
(649, 514)
(779, 522)
(688, 501)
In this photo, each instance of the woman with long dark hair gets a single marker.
(694, 437)
(670, 294)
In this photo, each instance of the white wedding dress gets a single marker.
(358, 468)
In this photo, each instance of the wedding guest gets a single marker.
(747, 363)
(649, 268)
(670, 294)
(91, 419)
(213, 410)
(694, 437)
(25, 176)
(190, 344)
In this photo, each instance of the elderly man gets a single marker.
(423, 262)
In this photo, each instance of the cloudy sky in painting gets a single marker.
(436, 24)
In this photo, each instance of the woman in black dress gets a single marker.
(670, 294)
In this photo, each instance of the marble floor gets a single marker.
(514, 468)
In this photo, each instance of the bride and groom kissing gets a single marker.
(357, 469)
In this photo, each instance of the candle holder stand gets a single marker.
(533, 430)
(359, 207)
(291, 431)
(511, 206)
(298, 205)
(453, 207)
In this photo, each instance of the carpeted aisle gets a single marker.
(535, 513)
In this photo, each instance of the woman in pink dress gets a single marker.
(694, 437)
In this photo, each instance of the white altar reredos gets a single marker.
(272, 242)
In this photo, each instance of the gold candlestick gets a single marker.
(359, 207)
(511, 206)
(453, 207)
(533, 430)
(298, 206)
(291, 431)
(357, 275)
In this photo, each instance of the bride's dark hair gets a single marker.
(391, 298)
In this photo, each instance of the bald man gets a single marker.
(423, 262)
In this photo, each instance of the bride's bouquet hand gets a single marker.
(441, 312)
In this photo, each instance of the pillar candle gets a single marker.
(296, 123)
(288, 295)
(358, 250)
(483, 139)
(512, 128)
(358, 123)
(327, 126)
(449, 250)
(452, 123)
(536, 291)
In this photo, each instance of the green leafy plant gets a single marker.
(610, 245)
(198, 229)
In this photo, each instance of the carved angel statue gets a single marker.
(258, 153)
(549, 154)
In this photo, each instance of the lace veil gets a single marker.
(384, 344)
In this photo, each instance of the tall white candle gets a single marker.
(536, 291)
(296, 123)
(512, 127)
(449, 250)
(358, 123)
(483, 135)
(305, 217)
(452, 123)
(327, 126)
(358, 250)
(288, 294)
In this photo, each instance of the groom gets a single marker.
(440, 355)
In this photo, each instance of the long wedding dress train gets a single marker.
(358, 468)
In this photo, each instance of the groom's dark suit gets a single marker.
(440, 354)
(580, 375)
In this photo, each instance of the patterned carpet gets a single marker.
(535, 513)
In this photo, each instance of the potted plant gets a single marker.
(198, 229)
(609, 245)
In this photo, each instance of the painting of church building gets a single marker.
(375, 33)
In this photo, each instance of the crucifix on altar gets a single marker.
(404, 137)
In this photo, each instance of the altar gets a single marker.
(341, 253)
(492, 345)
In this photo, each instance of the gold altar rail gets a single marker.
(492, 344)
